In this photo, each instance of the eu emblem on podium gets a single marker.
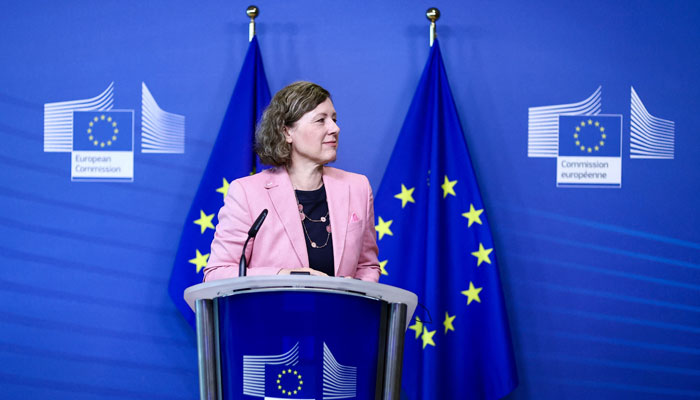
(292, 376)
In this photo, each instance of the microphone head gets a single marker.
(257, 224)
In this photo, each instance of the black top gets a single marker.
(315, 207)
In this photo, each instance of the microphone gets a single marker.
(257, 224)
(243, 264)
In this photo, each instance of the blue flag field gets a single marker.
(434, 240)
(231, 158)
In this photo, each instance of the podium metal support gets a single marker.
(207, 352)
(394, 351)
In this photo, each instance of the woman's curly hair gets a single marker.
(285, 109)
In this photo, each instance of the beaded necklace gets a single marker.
(305, 217)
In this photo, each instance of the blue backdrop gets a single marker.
(601, 284)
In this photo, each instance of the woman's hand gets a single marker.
(311, 271)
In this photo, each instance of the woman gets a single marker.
(321, 219)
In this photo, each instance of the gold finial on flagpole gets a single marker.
(252, 12)
(433, 15)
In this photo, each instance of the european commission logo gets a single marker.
(590, 151)
(588, 144)
(285, 376)
(101, 138)
(103, 145)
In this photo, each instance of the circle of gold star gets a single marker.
(383, 228)
(448, 187)
(204, 221)
(382, 267)
(598, 133)
(200, 260)
(417, 327)
(406, 195)
(293, 373)
(448, 322)
(427, 337)
(473, 215)
(472, 293)
(109, 124)
(482, 255)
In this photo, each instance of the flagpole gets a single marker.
(433, 15)
(252, 12)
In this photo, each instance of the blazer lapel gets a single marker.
(337, 195)
(281, 194)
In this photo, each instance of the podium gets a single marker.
(300, 337)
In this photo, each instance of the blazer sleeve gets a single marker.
(231, 233)
(368, 263)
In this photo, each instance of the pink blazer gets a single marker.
(280, 242)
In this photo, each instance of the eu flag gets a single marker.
(434, 240)
(231, 157)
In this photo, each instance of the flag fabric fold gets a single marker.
(232, 157)
(434, 240)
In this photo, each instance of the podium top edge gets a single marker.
(227, 287)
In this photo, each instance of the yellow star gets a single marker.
(383, 228)
(224, 188)
(382, 267)
(482, 255)
(204, 221)
(472, 294)
(448, 322)
(418, 327)
(448, 187)
(200, 260)
(406, 195)
(427, 337)
(473, 215)
(590, 122)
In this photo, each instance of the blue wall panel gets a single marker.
(602, 285)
